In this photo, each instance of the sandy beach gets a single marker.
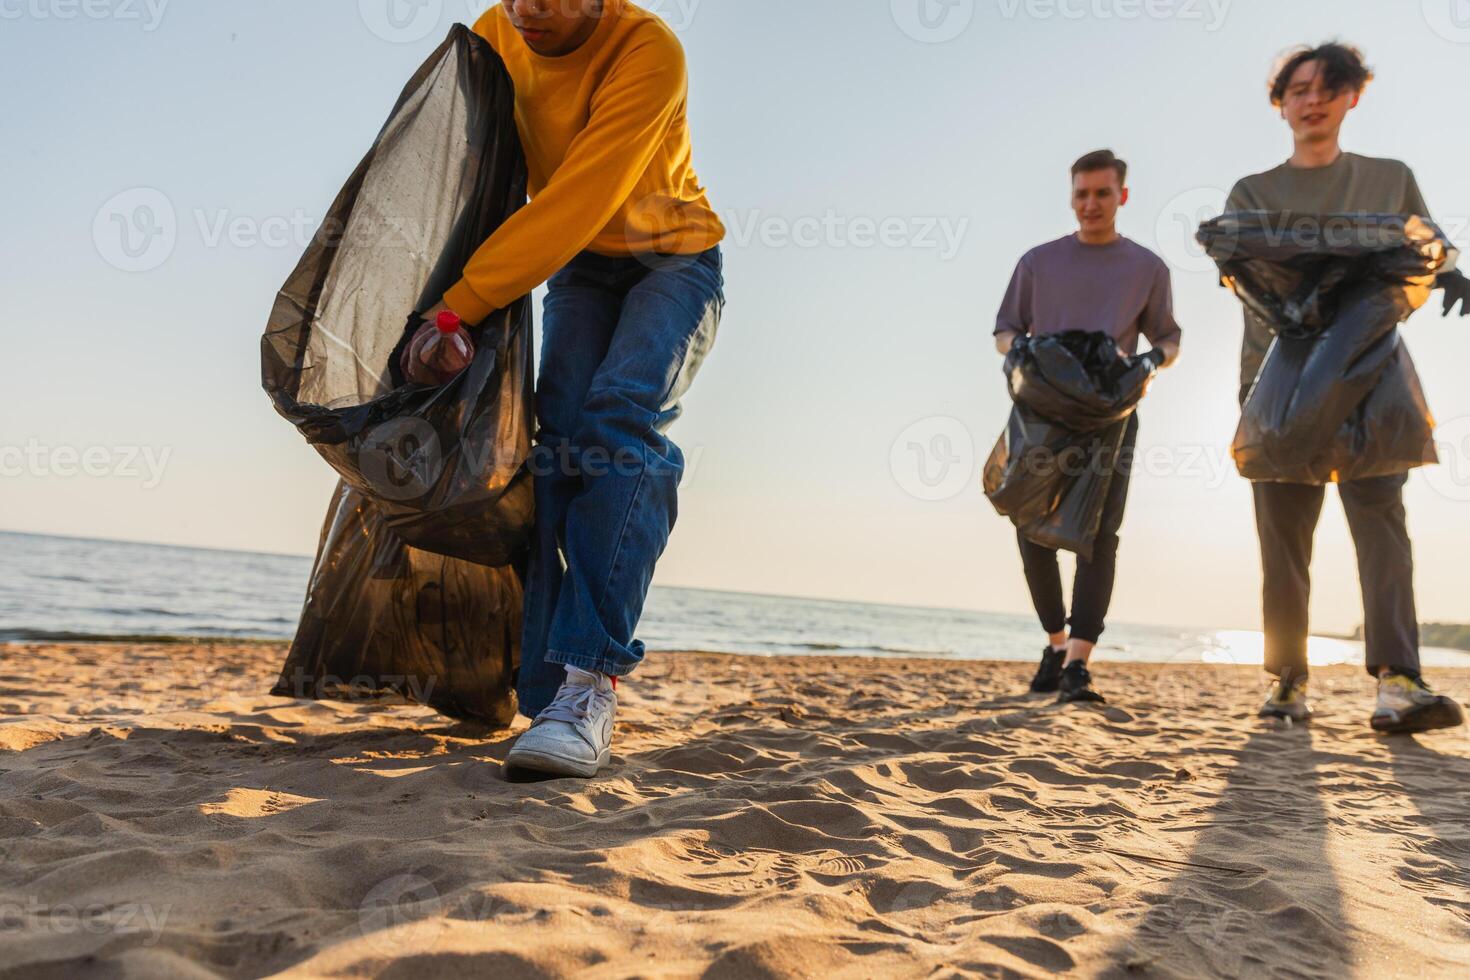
(161, 816)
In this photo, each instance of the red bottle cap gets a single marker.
(448, 322)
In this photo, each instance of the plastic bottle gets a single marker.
(449, 349)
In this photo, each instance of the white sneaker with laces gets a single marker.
(1288, 701)
(573, 736)
(1407, 705)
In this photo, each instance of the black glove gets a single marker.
(1456, 290)
(1156, 357)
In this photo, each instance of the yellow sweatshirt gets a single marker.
(607, 148)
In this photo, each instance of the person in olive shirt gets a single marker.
(1314, 89)
(1093, 280)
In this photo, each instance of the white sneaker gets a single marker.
(1288, 701)
(573, 736)
(1406, 704)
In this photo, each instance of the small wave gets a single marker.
(133, 612)
(850, 649)
(916, 651)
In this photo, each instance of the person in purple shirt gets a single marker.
(1092, 280)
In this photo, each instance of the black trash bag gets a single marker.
(416, 591)
(444, 465)
(387, 622)
(1337, 397)
(1051, 469)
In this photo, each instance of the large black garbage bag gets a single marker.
(416, 590)
(384, 621)
(1337, 397)
(1052, 467)
(444, 465)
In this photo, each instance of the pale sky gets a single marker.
(881, 164)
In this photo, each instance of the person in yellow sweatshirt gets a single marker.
(620, 225)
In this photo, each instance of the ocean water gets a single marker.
(54, 588)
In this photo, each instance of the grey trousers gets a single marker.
(1286, 520)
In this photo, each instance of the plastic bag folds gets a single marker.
(386, 622)
(1051, 469)
(417, 587)
(444, 465)
(1337, 397)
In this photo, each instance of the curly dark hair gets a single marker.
(1343, 67)
(1101, 160)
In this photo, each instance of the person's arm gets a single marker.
(1257, 337)
(630, 117)
(1157, 321)
(1454, 283)
(1413, 198)
(1014, 319)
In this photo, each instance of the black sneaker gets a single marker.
(1076, 685)
(1049, 674)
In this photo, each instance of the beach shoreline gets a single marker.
(162, 815)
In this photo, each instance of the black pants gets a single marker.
(1092, 590)
(1286, 520)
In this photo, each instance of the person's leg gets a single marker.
(1375, 515)
(1286, 522)
(1044, 579)
(1405, 704)
(1092, 589)
(620, 517)
(583, 305)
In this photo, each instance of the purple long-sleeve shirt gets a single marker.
(1121, 289)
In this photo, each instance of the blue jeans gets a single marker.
(622, 339)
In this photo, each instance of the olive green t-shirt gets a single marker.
(1351, 184)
